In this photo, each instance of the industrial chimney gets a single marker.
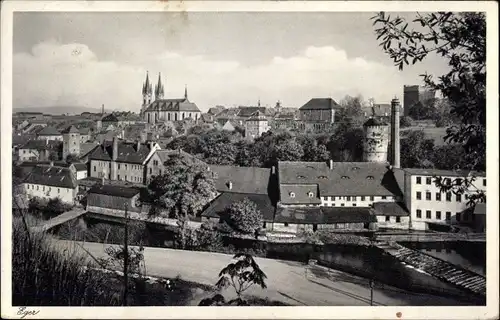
(115, 148)
(395, 152)
(138, 145)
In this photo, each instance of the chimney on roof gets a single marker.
(51, 163)
(273, 170)
(102, 180)
(230, 185)
(47, 141)
(138, 145)
(151, 145)
(330, 164)
(395, 152)
(114, 156)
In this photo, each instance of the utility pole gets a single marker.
(125, 260)
(371, 291)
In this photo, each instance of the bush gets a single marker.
(405, 121)
(41, 276)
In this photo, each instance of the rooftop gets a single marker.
(243, 179)
(127, 152)
(323, 215)
(263, 202)
(49, 131)
(52, 176)
(70, 129)
(390, 209)
(182, 104)
(42, 145)
(115, 191)
(320, 104)
(439, 172)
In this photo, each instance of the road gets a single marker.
(287, 281)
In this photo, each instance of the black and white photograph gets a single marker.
(267, 154)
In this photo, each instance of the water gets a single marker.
(470, 256)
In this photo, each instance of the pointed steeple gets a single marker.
(159, 91)
(146, 88)
(186, 92)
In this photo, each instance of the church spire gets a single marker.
(146, 88)
(159, 90)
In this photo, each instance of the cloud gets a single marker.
(72, 74)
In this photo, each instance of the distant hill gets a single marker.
(72, 110)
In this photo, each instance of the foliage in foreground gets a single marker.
(240, 275)
(43, 276)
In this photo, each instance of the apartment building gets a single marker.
(426, 202)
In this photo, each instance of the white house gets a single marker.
(427, 204)
(49, 182)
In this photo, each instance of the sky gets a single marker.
(228, 58)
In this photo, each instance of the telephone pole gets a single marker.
(371, 292)
(125, 260)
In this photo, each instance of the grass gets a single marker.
(44, 276)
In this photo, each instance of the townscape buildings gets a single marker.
(123, 154)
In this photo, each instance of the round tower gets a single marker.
(376, 141)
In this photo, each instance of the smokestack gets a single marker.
(395, 154)
(138, 145)
(115, 148)
(330, 164)
(102, 109)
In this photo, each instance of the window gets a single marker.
(428, 214)
(438, 196)
(458, 216)
(419, 195)
(398, 219)
(419, 180)
(448, 216)
(370, 177)
(448, 196)
(428, 180)
(419, 213)
(125, 178)
(354, 205)
(333, 204)
(447, 181)
(118, 166)
(387, 218)
(125, 167)
(384, 197)
(94, 168)
(362, 198)
(310, 194)
(36, 188)
(348, 198)
(428, 196)
(459, 198)
(118, 177)
(150, 170)
(345, 177)
(58, 190)
(286, 224)
(292, 195)
(484, 182)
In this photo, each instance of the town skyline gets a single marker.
(262, 56)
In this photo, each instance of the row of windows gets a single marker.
(448, 196)
(37, 187)
(428, 181)
(134, 179)
(175, 118)
(438, 216)
(388, 218)
(355, 198)
(132, 166)
(160, 172)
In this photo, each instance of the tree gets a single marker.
(244, 216)
(183, 191)
(241, 275)
(287, 150)
(459, 38)
(405, 121)
(352, 111)
(416, 150)
(313, 150)
(221, 153)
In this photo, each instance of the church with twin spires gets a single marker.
(161, 109)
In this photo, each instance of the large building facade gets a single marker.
(160, 109)
(318, 114)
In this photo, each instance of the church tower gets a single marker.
(147, 92)
(159, 90)
(71, 142)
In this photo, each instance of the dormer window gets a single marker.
(370, 177)
(322, 177)
(310, 194)
(292, 195)
(355, 168)
(301, 177)
(345, 177)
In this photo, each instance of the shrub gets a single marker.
(43, 276)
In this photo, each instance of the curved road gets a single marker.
(287, 281)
